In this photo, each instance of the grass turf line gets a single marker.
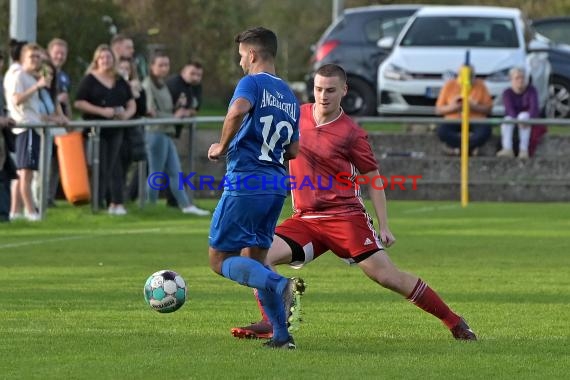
(74, 308)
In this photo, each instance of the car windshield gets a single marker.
(558, 31)
(462, 31)
(378, 28)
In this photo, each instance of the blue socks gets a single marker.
(275, 311)
(252, 273)
(269, 284)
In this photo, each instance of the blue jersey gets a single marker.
(255, 163)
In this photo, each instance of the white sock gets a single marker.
(524, 137)
(507, 136)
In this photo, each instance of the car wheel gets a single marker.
(558, 103)
(360, 99)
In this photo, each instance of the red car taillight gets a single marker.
(325, 49)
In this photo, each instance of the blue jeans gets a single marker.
(451, 135)
(163, 157)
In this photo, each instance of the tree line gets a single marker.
(204, 29)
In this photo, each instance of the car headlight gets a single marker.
(396, 73)
(499, 76)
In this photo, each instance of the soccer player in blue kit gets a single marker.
(260, 132)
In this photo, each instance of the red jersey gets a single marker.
(325, 150)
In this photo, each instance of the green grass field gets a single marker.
(73, 308)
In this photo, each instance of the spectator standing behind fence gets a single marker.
(51, 111)
(104, 95)
(186, 91)
(124, 47)
(161, 151)
(2, 98)
(15, 53)
(449, 104)
(22, 97)
(57, 52)
(50, 108)
(521, 103)
(133, 148)
(186, 87)
(7, 169)
(128, 71)
(13, 69)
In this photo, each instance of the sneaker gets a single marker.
(461, 331)
(292, 302)
(34, 217)
(118, 210)
(449, 151)
(523, 155)
(258, 330)
(289, 344)
(16, 216)
(195, 211)
(507, 153)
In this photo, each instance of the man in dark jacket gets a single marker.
(7, 168)
(186, 91)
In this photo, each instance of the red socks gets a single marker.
(260, 306)
(426, 299)
(422, 296)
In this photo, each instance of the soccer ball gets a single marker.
(165, 291)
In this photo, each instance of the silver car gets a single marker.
(434, 44)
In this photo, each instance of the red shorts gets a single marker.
(352, 238)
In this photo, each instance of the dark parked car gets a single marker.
(557, 29)
(351, 41)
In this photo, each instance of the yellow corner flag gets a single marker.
(465, 82)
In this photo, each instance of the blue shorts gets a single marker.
(28, 150)
(245, 221)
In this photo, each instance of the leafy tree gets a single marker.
(204, 29)
(80, 23)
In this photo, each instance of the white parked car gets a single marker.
(432, 46)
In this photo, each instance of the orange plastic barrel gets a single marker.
(73, 168)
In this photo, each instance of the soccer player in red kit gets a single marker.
(332, 216)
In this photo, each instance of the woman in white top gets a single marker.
(23, 105)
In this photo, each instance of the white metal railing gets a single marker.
(96, 125)
(495, 121)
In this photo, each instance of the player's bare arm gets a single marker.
(378, 198)
(291, 151)
(237, 111)
(7, 122)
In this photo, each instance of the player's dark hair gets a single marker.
(263, 39)
(157, 54)
(15, 48)
(118, 38)
(193, 62)
(332, 70)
